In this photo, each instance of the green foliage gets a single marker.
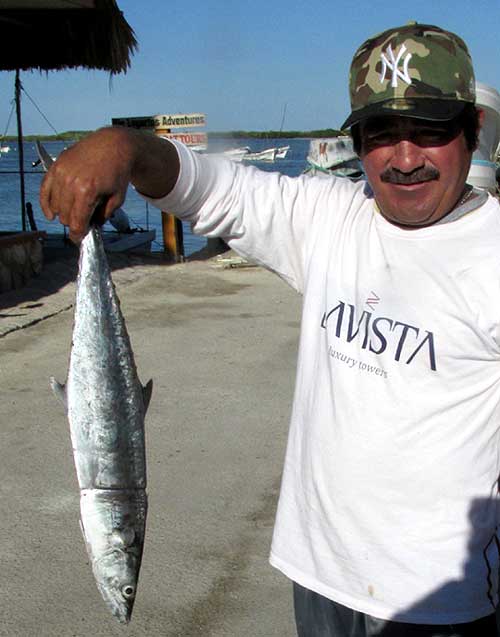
(74, 135)
(272, 134)
(238, 134)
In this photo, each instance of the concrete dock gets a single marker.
(220, 345)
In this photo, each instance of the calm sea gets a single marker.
(140, 214)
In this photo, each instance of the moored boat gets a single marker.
(137, 240)
(333, 156)
(236, 154)
(244, 153)
(282, 152)
(269, 154)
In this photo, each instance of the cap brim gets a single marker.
(420, 108)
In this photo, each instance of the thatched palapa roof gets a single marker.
(51, 35)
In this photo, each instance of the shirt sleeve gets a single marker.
(264, 216)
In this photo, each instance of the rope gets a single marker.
(8, 121)
(36, 106)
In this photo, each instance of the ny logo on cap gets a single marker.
(392, 63)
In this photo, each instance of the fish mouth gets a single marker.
(122, 614)
(116, 574)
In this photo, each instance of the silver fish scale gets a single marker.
(104, 394)
(106, 406)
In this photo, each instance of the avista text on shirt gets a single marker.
(380, 333)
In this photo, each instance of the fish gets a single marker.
(106, 406)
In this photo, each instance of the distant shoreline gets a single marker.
(76, 135)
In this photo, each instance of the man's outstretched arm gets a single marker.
(99, 168)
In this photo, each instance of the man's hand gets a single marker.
(97, 171)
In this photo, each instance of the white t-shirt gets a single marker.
(389, 499)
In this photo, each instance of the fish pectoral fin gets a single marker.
(146, 394)
(82, 529)
(59, 391)
(87, 543)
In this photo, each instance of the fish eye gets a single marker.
(128, 591)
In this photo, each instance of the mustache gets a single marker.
(395, 176)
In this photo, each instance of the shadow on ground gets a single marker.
(61, 267)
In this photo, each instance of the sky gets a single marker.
(243, 64)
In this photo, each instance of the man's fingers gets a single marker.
(112, 203)
(78, 217)
(63, 203)
(82, 212)
(44, 197)
(77, 231)
(80, 185)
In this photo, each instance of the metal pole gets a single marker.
(173, 240)
(20, 148)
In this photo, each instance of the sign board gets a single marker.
(147, 122)
(200, 140)
(180, 120)
(163, 125)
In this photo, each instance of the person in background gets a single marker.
(388, 512)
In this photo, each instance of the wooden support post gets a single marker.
(173, 239)
(20, 148)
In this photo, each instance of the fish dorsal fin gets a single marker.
(59, 391)
(146, 394)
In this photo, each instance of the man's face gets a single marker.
(416, 168)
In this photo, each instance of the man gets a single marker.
(387, 516)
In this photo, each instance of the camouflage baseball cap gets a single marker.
(417, 70)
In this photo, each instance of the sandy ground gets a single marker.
(220, 345)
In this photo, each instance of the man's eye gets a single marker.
(380, 138)
(432, 136)
(431, 132)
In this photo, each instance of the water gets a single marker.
(140, 214)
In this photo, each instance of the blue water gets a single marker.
(140, 214)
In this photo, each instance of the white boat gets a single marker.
(244, 154)
(264, 155)
(333, 156)
(137, 240)
(124, 238)
(200, 148)
(4, 149)
(236, 154)
(281, 152)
